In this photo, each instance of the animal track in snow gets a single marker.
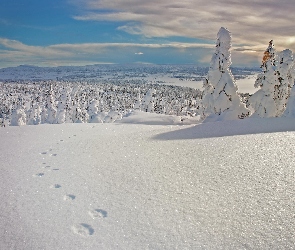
(55, 186)
(69, 197)
(38, 175)
(83, 229)
(98, 213)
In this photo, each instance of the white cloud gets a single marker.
(14, 52)
(252, 22)
(31, 50)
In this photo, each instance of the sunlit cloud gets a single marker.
(20, 53)
(12, 51)
(251, 22)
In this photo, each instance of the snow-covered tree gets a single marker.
(137, 104)
(18, 116)
(220, 99)
(275, 82)
(285, 80)
(33, 115)
(148, 101)
(50, 106)
(61, 112)
(58, 102)
(290, 108)
(93, 112)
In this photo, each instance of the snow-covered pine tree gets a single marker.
(33, 115)
(285, 80)
(290, 109)
(18, 116)
(148, 101)
(275, 82)
(262, 101)
(50, 106)
(61, 107)
(220, 99)
(30, 115)
(137, 104)
(93, 112)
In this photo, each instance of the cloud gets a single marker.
(13, 53)
(252, 22)
(31, 50)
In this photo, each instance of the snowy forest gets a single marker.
(82, 102)
(55, 102)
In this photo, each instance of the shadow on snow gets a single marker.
(231, 128)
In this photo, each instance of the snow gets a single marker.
(246, 85)
(139, 185)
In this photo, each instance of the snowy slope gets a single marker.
(222, 185)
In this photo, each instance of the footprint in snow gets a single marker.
(69, 197)
(38, 175)
(83, 229)
(98, 213)
(55, 186)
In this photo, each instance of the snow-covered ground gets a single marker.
(246, 85)
(146, 183)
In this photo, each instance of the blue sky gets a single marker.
(79, 32)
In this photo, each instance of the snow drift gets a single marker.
(221, 185)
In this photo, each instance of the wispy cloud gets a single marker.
(13, 45)
(20, 53)
(252, 22)
(15, 52)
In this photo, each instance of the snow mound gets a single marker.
(140, 117)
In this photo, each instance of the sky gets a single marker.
(81, 32)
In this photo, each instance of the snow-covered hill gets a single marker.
(139, 184)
